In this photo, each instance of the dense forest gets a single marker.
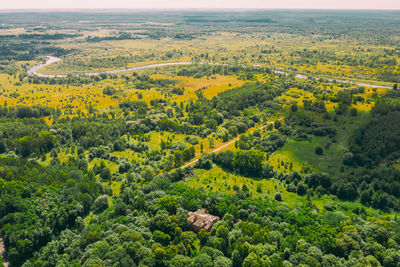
(278, 146)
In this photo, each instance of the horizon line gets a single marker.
(128, 9)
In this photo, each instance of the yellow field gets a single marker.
(70, 99)
(211, 86)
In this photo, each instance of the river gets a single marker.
(51, 60)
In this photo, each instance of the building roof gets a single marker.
(200, 219)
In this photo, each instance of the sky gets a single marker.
(200, 4)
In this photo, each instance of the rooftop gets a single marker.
(200, 219)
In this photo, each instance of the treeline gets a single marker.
(121, 36)
(390, 76)
(119, 61)
(22, 112)
(145, 82)
(202, 70)
(26, 137)
(379, 139)
(362, 176)
(379, 188)
(70, 79)
(308, 56)
(34, 137)
(250, 163)
(141, 81)
(300, 124)
(29, 51)
(55, 36)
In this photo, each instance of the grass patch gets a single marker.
(218, 180)
(299, 154)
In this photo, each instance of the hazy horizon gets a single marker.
(184, 9)
(29, 5)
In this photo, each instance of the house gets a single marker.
(200, 219)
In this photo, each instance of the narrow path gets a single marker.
(51, 60)
(3, 252)
(229, 143)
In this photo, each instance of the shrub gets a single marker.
(301, 189)
(329, 206)
(319, 150)
(278, 197)
(109, 90)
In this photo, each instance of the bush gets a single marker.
(278, 197)
(301, 189)
(192, 140)
(329, 206)
(347, 191)
(204, 162)
(319, 150)
(109, 90)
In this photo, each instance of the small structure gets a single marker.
(200, 219)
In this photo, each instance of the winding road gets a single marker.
(51, 60)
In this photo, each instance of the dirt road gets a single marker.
(229, 143)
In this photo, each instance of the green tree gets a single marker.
(277, 124)
(147, 173)
(319, 150)
(100, 204)
(202, 260)
(178, 158)
(169, 203)
(180, 261)
(105, 174)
